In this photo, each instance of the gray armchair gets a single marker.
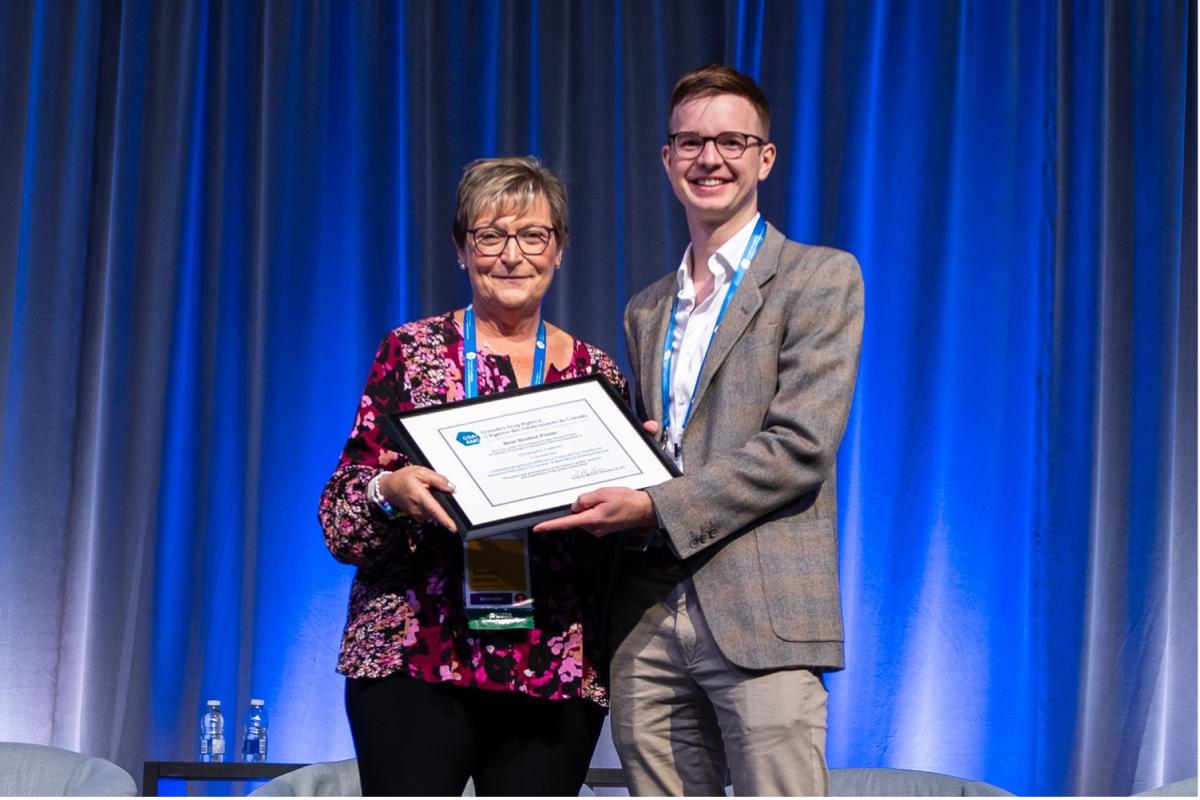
(332, 779)
(863, 782)
(340, 779)
(39, 770)
(1183, 788)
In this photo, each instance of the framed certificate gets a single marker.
(518, 458)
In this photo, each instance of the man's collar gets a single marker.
(726, 258)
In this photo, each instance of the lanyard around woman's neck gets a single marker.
(743, 266)
(471, 355)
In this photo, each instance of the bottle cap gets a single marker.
(213, 703)
(257, 703)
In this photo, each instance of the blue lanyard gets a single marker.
(470, 354)
(756, 240)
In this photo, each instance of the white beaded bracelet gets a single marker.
(376, 497)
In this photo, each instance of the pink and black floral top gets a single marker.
(406, 605)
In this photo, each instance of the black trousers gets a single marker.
(418, 738)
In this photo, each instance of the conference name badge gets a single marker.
(496, 582)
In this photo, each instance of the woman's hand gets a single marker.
(407, 490)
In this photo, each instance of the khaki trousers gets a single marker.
(685, 720)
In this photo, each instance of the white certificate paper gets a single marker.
(520, 457)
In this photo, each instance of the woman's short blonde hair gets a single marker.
(503, 184)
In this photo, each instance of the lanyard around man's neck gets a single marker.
(743, 266)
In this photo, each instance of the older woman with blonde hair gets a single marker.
(437, 690)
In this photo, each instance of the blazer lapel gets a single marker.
(741, 310)
(652, 355)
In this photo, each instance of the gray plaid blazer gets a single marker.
(755, 514)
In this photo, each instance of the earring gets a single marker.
(462, 266)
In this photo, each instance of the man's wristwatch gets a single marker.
(376, 497)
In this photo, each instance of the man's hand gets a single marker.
(605, 511)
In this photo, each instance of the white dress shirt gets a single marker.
(694, 326)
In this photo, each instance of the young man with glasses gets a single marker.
(728, 611)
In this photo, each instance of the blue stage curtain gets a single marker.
(211, 212)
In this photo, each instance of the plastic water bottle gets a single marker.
(254, 743)
(212, 733)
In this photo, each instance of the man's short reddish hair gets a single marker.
(715, 79)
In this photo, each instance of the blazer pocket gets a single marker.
(798, 561)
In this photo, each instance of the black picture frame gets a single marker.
(403, 428)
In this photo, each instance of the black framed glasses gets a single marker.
(532, 239)
(730, 144)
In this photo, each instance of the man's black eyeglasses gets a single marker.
(730, 144)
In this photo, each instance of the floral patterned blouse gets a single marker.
(406, 604)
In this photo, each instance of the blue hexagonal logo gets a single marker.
(466, 438)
